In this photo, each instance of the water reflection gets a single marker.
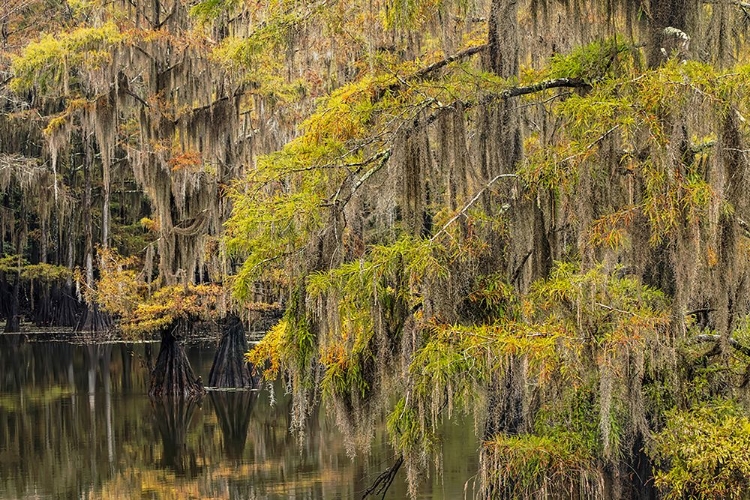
(76, 422)
(233, 413)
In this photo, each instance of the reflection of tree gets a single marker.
(64, 417)
(233, 413)
(173, 417)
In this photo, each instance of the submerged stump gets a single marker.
(172, 375)
(230, 368)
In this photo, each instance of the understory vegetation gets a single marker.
(534, 214)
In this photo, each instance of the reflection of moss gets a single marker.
(34, 396)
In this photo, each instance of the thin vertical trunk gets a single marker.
(13, 323)
(93, 320)
(87, 219)
(105, 206)
(43, 310)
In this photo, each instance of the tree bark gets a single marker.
(172, 375)
(229, 368)
(13, 322)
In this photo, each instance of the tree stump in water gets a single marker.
(230, 368)
(67, 306)
(94, 321)
(172, 375)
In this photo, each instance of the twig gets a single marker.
(384, 480)
(470, 203)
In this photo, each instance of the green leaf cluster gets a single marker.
(704, 452)
(50, 65)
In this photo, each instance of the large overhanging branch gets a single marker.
(380, 158)
(705, 337)
(429, 69)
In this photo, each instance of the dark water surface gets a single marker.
(75, 422)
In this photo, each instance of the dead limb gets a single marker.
(705, 337)
(384, 480)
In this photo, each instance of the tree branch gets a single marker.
(547, 84)
(384, 480)
(444, 62)
(470, 203)
(705, 337)
(429, 69)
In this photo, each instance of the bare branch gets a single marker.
(470, 203)
(384, 480)
(705, 337)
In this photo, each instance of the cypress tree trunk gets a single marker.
(93, 319)
(67, 312)
(13, 322)
(172, 375)
(229, 368)
(43, 309)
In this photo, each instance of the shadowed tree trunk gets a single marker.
(230, 368)
(67, 306)
(43, 311)
(94, 320)
(13, 323)
(67, 303)
(172, 375)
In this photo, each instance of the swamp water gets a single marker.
(76, 422)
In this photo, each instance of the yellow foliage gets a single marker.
(268, 352)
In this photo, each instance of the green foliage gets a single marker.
(526, 463)
(50, 65)
(410, 14)
(406, 430)
(595, 61)
(208, 10)
(42, 271)
(704, 452)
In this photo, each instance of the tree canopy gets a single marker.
(531, 212)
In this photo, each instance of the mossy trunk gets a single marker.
(230, 368)
(172, 375)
